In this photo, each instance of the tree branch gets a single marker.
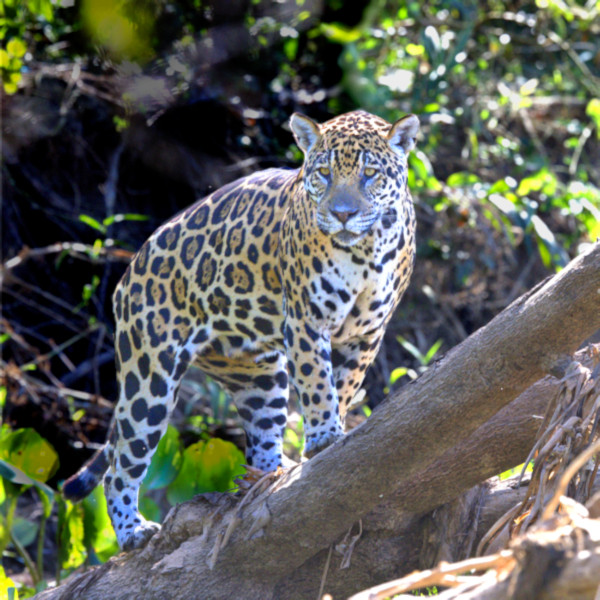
(385, 460)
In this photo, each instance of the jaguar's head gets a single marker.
(355, 168)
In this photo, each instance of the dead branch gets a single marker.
(314, 505)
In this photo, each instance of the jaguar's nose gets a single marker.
(343, 215)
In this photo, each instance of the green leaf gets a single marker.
(93, 223)
(339, 34)
(432, 352)
(71, 533)
(207, 467)
(120, 218)
(550, 250)
(462, 178)
(99, 535)
(290, 48)
(593, 111)
(7, 586)
(16, 47)
(30, 453)
(542, 181)
(166, 461)
(397, 374)
(24, 530)
(41, 8)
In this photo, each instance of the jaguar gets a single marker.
(282, 279)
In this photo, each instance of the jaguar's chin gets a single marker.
(348, 238)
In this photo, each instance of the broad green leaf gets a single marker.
(4, 59)
(8, 589)
(30, 453)
(207, 467)
(16, 47)
(98, 532)
(166, 461)
(71, 533)
(41, 8)
(24, 530)
(11, 473)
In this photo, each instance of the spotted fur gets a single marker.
(280, 278)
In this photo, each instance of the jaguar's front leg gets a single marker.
(311, 373)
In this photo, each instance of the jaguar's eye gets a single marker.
(325, 171)
(369, 171)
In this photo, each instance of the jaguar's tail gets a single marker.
(80, 485)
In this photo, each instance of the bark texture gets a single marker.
(467, 418)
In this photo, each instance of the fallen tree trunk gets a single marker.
(407, 458)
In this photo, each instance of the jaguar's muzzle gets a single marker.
(346, 216)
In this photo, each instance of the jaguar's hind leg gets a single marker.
(148, 379)
(262, 402)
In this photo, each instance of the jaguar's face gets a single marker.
(354, 170)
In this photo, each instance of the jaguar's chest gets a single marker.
(353, 293)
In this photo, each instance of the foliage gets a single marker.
(500, 63)
(85, 534)
(26, 461)
(423, 359)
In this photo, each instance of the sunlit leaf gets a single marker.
(93, 223)
(123, 217)
(30, 453)
(462, 178)
(340, 34)
(71, 534)
(207, 467)
(397, 374)
(8, 589)
(593, 111)
(542, 181)
(98, 532)
(16, 47)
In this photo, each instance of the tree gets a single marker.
(467, 418)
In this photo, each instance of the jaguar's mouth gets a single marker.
(348, 238)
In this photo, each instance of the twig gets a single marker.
(325, 571)
(77, 249)
(444, 575)
(589, 80)
(571, 471)
(583, 138)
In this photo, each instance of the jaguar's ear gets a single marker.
(306, 132)
(403, 133)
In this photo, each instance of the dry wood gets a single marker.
(386, 462)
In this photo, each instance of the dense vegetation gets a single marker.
(117, 114)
